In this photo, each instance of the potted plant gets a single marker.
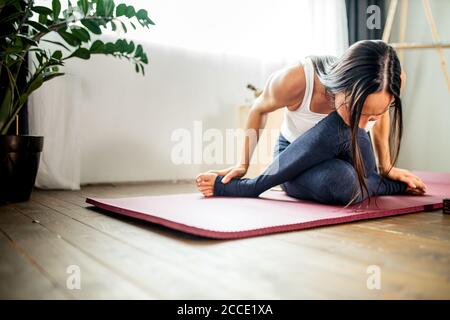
(23, 30)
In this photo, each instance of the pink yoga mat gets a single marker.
(274, 211)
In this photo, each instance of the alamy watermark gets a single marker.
(374, 279)
(374, 19)
(73, 281)
(224, 147)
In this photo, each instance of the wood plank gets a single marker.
(247, 257)
(434, 225)
(52, 255)
(20, 278)
(412, 267)
(349, 267)
(326, 262)
(162, 278)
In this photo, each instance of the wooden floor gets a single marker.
(122, 258)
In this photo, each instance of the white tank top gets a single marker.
(302, 119)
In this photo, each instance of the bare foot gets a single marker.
(205, 183)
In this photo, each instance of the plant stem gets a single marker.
(8, 124)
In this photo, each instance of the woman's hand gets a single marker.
(231, 172)
(415, 184)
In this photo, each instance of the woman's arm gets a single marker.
(380, 133)
(283, 88)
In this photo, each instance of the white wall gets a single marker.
(103, 122)
(426, 100)
(131, 141)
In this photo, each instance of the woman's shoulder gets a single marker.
(287, 86)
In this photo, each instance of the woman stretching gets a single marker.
(324, 152)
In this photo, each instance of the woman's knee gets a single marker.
(297, 189)
(332, 182)
(339, 182)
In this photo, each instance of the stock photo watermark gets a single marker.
(374, 279)
(374, 19)
(73, 281)
(224, 147)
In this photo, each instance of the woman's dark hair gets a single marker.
(368, 66)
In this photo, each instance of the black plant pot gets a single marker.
(19, 162)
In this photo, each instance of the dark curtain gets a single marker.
(357, 20)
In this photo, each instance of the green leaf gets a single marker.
(121, 9)
(38, 26)
(83, 5)
(91, 25)
(144, 58)
(109, 48)
(43, 19)
(35, 84)
(23, 97)
(56, 6)
(109, 7)
(39, 57)
(42, 10)
(124, 27)
(69, 38)
(81, 34)
(113, 26)
(57, 55)
(81, 53)
(129, 13)
(131, 47)
(100, 9)
(53, 75)
(139, 51)
(142, 14)
(97, 46)
(27, 41)
(121, 45)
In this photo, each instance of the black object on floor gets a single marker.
(19, 162)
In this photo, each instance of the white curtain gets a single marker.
(104, 123)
